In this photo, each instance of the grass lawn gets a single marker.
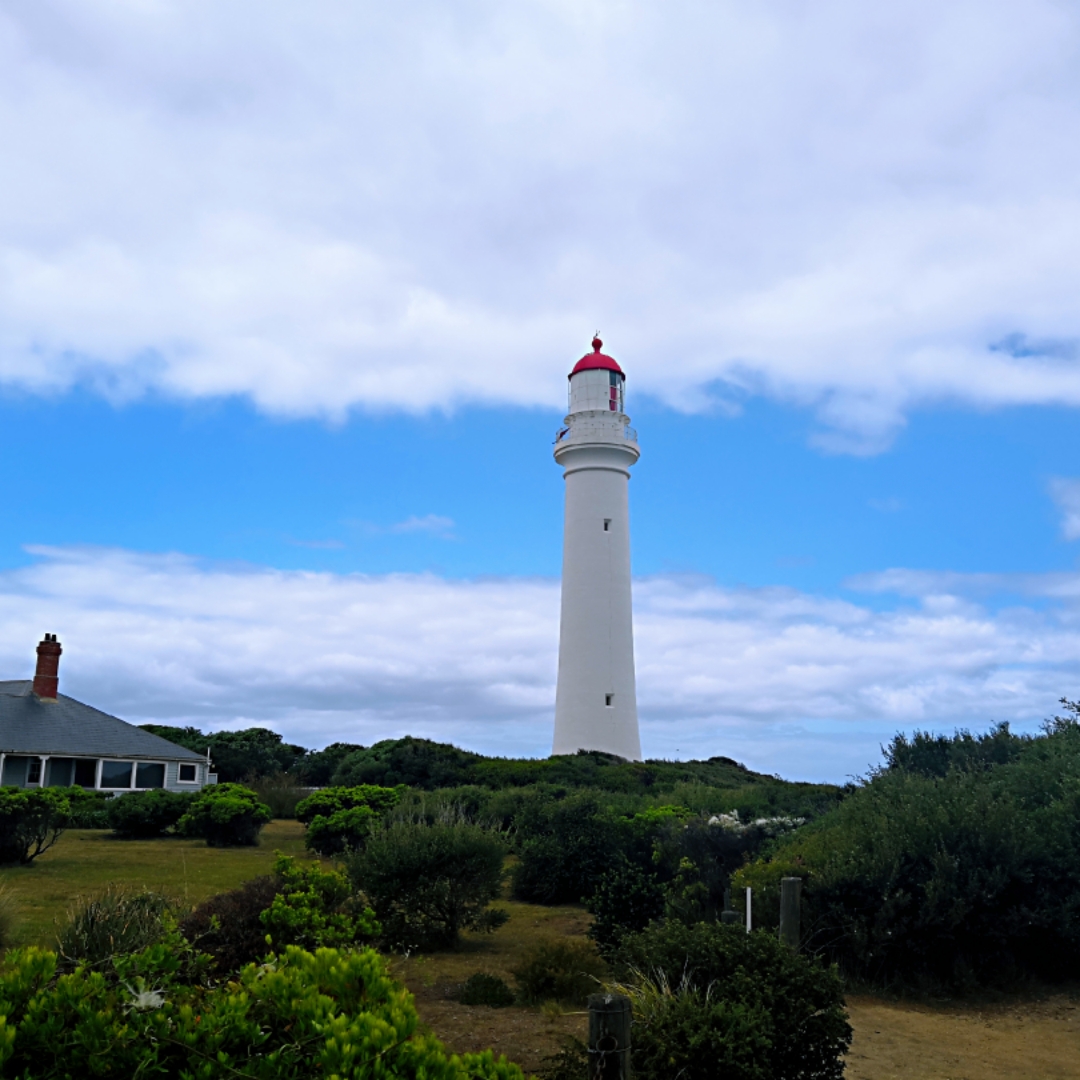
(88, 860)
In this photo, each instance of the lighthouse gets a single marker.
(596, 699)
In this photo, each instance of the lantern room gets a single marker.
(597, 383)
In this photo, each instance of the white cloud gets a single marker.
(786, 681)
(1066, 493)
(429, 523)
(857, 207)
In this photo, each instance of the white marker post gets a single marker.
(749, 920)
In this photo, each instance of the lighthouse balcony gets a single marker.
(583, 430)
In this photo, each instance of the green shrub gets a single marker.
(31, 821)
(142, 814)
(88, 809)
(328, 1014)
(792, 1002)
(427, 883)
(483, 989)
(971, 877)
(561, 969)
(225, 815)
(699, 1034)
(569, 1062)
(116, 921)
(339, 819)
(229, 926)
(314, 908)
(627, 899)
(565, 847)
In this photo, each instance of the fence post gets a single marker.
(749, 917)
(790, 889)
(609, 1037)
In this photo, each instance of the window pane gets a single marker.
(58, 773)
(33, 771)
(85, 772)
(149, 775)
(116, 774)
(187, 773)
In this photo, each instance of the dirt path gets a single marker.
(1028, 1041)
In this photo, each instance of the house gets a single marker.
(50, 740)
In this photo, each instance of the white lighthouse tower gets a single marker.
(596, 700)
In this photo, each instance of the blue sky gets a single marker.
(287, 302)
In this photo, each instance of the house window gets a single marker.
(187, 774)
(149, 774)
(58, 773)
(33, 771)
(609, 701)
(116, 774)
(85, 772)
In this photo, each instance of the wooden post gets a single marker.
(609, 1037)
(790, 889)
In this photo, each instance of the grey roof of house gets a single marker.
(69, 728)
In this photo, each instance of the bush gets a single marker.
(225, 815)
(484, 989)
(143, 814)
(734, 986)
(229, 926)
(697, 1034)
(328, 1014)
(117, 921)
(314, 908)
(971, 877)
(31, 821)
(427, 883)
(565, 848)
(88, 809)
(339, 819)
(626, 899)
(561, 969)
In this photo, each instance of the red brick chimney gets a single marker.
(47, 676)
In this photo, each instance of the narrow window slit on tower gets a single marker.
(609, 700)
(607, 524)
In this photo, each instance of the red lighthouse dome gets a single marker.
(596, 361)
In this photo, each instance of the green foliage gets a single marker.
(317, 767)
(340, 818)
(925, 754)
(792, 1002)
(569, 1062)
(560, 969)
(31, 821)
(142, 814)
(483, 989)
(627, 899)
(418, 763)
(281, 793)
(565, 847)
(117, 921)
(303, 1014)
(88, 809)
(968, 877)
(427, 883)
(314, 908)
(699, 1034)
(237, 755)
(225, 815)
(229, 927)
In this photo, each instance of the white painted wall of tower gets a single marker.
(596, 698)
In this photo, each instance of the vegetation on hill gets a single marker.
(956, 863)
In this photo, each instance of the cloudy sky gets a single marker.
(288, 294)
